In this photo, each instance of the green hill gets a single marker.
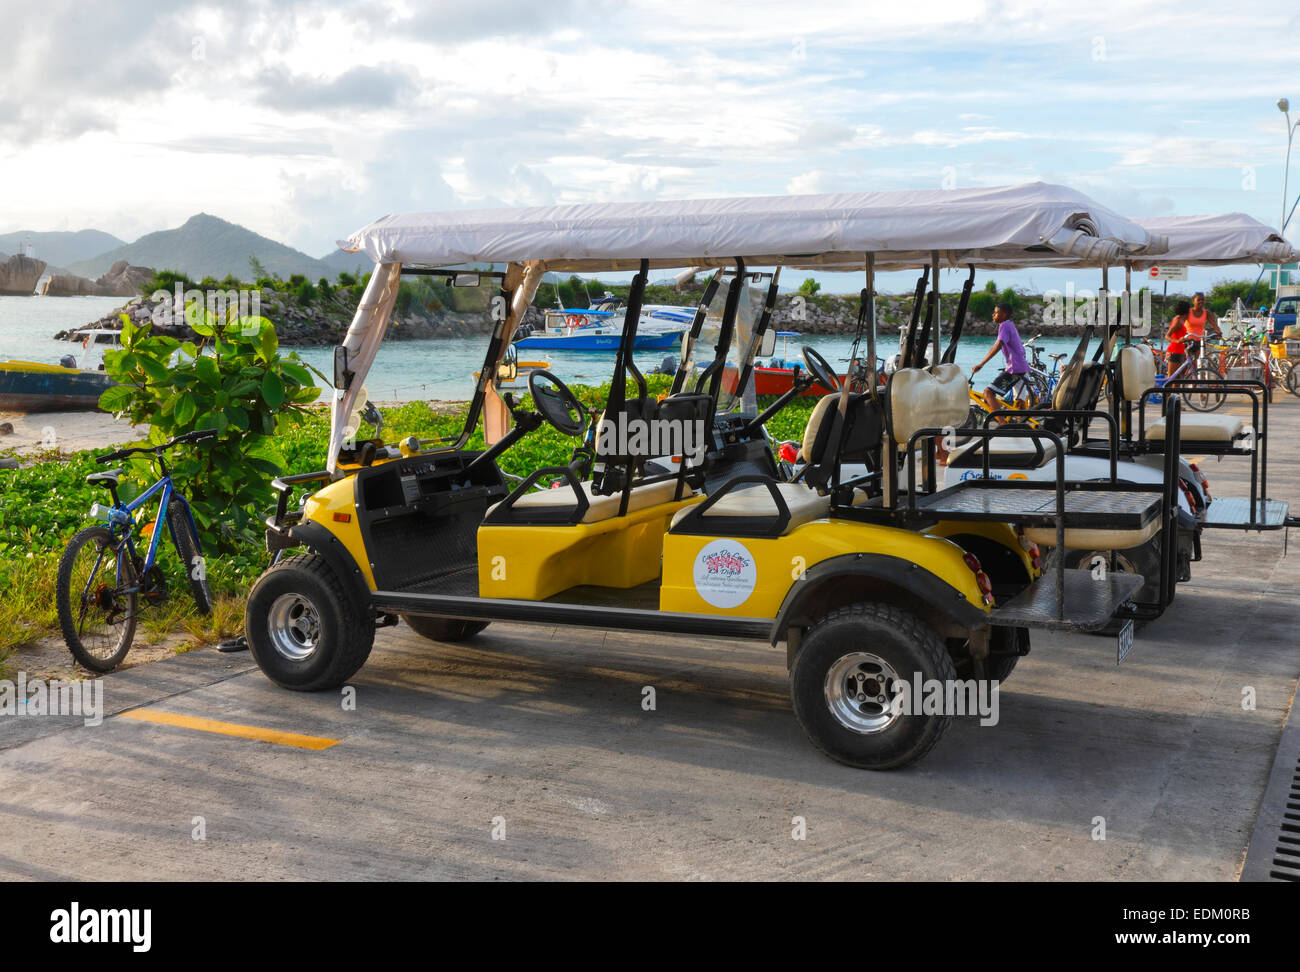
(58, 249)
(207, 246)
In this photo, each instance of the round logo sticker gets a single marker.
(725, 573)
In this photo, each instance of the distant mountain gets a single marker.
(61, 248)
(351, 262)
(208, 246)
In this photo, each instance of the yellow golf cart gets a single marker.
(872, 589)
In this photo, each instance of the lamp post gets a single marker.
(1284, 106)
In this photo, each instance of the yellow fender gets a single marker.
(794, 578)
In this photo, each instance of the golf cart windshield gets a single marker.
(473, 298)
(711, 345)
(753, 318)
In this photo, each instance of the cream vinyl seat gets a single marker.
(600, 507)
(804, 502)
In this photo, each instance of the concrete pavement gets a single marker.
(538, 735)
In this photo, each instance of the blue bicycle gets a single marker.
(102, 576)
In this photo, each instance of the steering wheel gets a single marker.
(821, 369)
(558, 405)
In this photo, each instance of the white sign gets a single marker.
(1168, 273)
(725, 573)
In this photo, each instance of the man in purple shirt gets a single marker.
(1012, 380)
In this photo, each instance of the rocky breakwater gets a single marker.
(19, 274)
(122, 280)
(324, 320)
(838, 314)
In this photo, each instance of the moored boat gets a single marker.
(33, 386)
(777, 375)
(600, 330)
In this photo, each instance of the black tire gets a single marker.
(900, 640)
(97, 625)
(1144, 560)
(187, 548)
(305, 630)
(1293, 380)
(444, 629)
(1005, 646)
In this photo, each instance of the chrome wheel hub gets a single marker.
(293, 626)
(860, 689)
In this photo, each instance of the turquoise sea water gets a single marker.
(438, 368)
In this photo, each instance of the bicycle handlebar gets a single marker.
(187, 438)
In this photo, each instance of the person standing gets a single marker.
(1177, 350)
(1200, 319)
(1012, 379)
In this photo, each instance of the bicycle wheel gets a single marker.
(1293, 380)
(1204, 399)
(187, 547)
(97, 618)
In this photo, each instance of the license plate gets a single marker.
(1124, 643)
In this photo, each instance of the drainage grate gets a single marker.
(1274, 853)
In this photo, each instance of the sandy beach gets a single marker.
(66, 431)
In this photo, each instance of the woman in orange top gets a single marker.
(1198, 319)
(1177, 350)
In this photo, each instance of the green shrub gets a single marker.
(981, 305)
(167, 280)
(236, 383)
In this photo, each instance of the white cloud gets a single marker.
(304, 119)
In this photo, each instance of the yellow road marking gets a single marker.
(231, 729)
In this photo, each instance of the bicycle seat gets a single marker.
(1058, 357)
(108, 477)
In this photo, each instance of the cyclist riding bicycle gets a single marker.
(1010, 382)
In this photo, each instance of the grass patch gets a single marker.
(44, 504)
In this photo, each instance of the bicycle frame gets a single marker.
(163, 486)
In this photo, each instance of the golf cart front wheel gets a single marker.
(305, 631)
(848, 679)
(444, 629)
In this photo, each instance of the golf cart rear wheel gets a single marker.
(847, 674)
(304, 629)
(444, 629)
(1144, 560)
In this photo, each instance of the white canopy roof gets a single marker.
(1212, 240)
(902, 228)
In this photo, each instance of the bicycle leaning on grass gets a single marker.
(103, 577)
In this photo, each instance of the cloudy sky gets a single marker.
(306, 120)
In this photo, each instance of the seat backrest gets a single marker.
(687, 407)
(828, 442)
(1137, 371)
(920, 399)
(1088, 389)
(818, 422)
